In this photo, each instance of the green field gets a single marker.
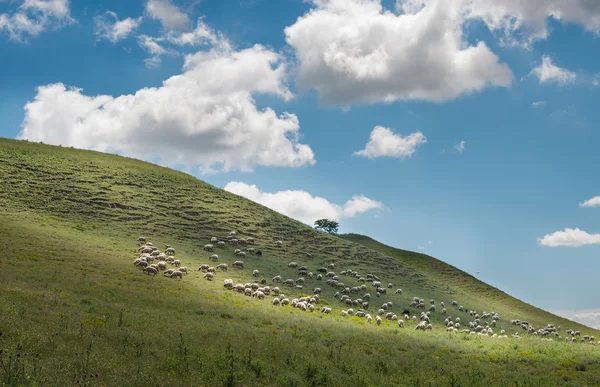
(74, 306)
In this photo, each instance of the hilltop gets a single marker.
(75, 304)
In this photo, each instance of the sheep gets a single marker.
(278, 243)
(369, 318)
(398, 291)
(390, 285)
(331, 265)
(162, 265)
(209, 276)
(203, 267)
(141, 240)
(276, 290)
(170, 251)
(378, 320)
(255, 273)
(182, 269)
(228, 284)
(176, 274)
(238, 264)
(421, 326)
(214, 257)
(177, 263)
(150, 270)
(293, 264)
(222, 266)
(276, 301)
(277, 278)
(209, 247)
(142, 264)
(317, 291)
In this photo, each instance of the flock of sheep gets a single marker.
(350, 296)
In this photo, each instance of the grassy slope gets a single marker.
(76, 304)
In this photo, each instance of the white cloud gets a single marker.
(171, 17)
(33, 17)
(548, 72)
(151, 45)
(109, 27)
(384, 142)
(537, 104)
(569, 238)
(354, 51)
(358, 205)
(201, 35)
(460, 147)
(522, 22)
(301, 205)
(593, 202)
(192, 119)
(588, 317)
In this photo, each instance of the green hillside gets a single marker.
(74, 305)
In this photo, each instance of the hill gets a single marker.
(74, 306)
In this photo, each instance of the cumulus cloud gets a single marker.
(354, 51)
(537, 104)
(33, 17)
(548, 72)
(384, 142)
(109, 27)
(460, 147)
(301, 205)
(167, 13)
(569, 238)
(193, 119)
(593, 202)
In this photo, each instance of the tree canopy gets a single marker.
(327, 225)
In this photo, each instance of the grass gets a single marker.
(73, 306)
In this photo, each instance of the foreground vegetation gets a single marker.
(74, 309)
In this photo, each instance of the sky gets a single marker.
(463, 129)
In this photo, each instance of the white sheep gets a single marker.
(401, 323)
(378, 320)
(176, 274)
(228, 284)
(177, 263)
(293, 264)
(398, 291)
(222, 266)
(214, 257)
(150, 270)
(209, 276)
(203, 267)
(276, 301)
(209, 247)
(255, 273)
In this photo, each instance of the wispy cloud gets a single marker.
(538, 104)
(547, 72)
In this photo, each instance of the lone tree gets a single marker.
(327, 225)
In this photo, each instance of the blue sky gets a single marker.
(515, 85)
